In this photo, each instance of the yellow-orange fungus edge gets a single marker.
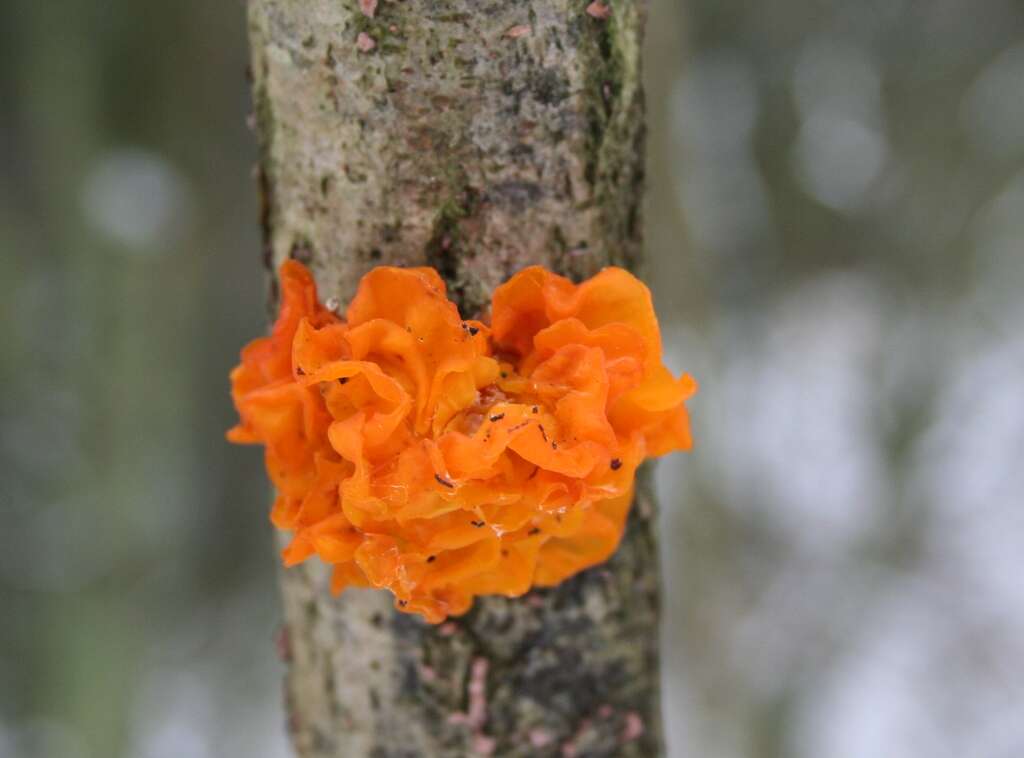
(443, 458)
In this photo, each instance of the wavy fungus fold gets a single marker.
(443, 458)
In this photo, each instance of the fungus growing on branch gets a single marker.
(442, 458)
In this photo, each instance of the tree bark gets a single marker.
(477, 137)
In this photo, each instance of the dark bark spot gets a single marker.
(519, 196)
(550, 86)
(301, 251)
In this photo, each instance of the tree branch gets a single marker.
(476, 137)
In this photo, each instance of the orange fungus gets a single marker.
(442, 458)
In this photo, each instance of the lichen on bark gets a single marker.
(452, 143)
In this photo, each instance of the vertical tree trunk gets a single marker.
(478, 137)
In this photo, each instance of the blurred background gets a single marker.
(835, 225)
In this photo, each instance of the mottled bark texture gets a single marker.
(478, 137)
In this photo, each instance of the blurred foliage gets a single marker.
(136, 588)
(834, 224)
(842, 548)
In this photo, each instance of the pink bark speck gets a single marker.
(540, 738)
(634, 727)
(475, 715)
(365, 43)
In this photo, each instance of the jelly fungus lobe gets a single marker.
(442, 458)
